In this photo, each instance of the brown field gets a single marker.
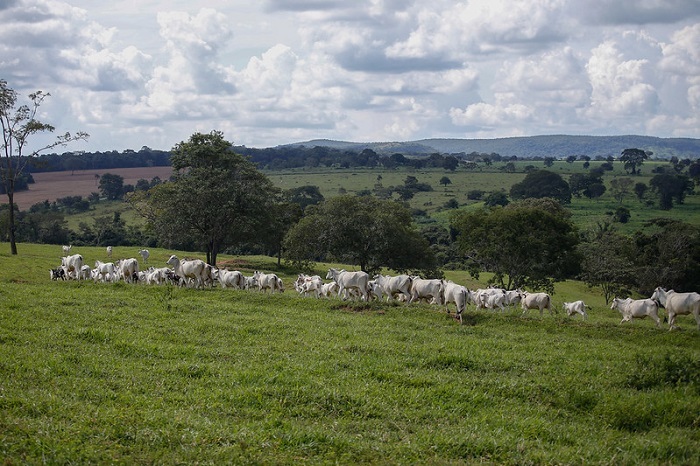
(54, 185)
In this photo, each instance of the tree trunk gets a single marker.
(13, 228)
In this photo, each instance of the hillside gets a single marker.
(529, 147)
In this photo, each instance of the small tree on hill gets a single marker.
(19, 124)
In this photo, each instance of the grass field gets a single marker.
(129, 374)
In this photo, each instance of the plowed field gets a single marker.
(54, 185)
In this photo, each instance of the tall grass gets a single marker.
(95, 373)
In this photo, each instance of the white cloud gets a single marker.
(151, 73)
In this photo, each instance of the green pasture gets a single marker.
(587, 213)
(130, 374)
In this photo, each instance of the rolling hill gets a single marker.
(528, 147)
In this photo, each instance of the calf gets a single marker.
(577, 307)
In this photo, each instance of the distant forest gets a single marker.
(273, 158)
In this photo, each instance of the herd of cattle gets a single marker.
(358, 285)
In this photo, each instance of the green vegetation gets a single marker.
(93, 373)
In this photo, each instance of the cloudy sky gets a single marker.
(136, 73)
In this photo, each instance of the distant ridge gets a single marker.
(528, 146)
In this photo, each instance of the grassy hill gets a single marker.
(116, 373)
(558, 146)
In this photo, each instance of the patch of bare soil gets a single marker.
(53, 185)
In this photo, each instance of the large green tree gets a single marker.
(525, 244)
(19, 125)
(670, 188)
(607, 263)
(542, 183)
(632, 159)
(363, 231)
(217, 198)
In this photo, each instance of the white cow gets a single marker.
(394, 286)
(229, 278)
(72, 265)
(308, 284)
(350, 280)
(489, 298)
(128, 269)
(109, 251)
(539, 301)
(144, 255)
(432, 290)
(194, 269)
(66, 249)
(85, 272)
(267, 281)
(678, 304)
(104, 271)
(513, 297)
(637, 309)
(576, 307)
(457, 294)
(329, 289)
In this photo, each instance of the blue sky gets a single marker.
(136, 73)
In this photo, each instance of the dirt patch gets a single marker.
(53, 185)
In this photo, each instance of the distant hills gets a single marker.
(527, 147)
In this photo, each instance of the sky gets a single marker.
(136, 73)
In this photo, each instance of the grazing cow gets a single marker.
(458, 295)
(229, 278)
(577, 307)
(432, 290)
(66, 249)
(144, 255)
(109, 251)
(267, 281)
(104, 271)
(637, 309)
(678, 304)
(195, 270)
(350, 281)
(57, 274)
(539, 301)
(393, 286)
(128, 270)
(72, 265)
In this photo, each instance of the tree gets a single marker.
(669, 188)
(633, 158)
(304, 196)
(19, 124)
(589, 184)
(112, 186)
(496, 198)
(542, 183)
(607, 263)
(367, 232)
(522, 244)
(445, 181)
(640, 190)
(549, 161)
(620, 188)
(450, 163)
(217, 198)
(668, 257)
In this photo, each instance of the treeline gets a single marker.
(70, 161)
(274, 158)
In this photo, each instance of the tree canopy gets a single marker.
(363, 231)
(542, 183)
(633, 159)
(523, 244)
(217, 197)
(19, 125)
